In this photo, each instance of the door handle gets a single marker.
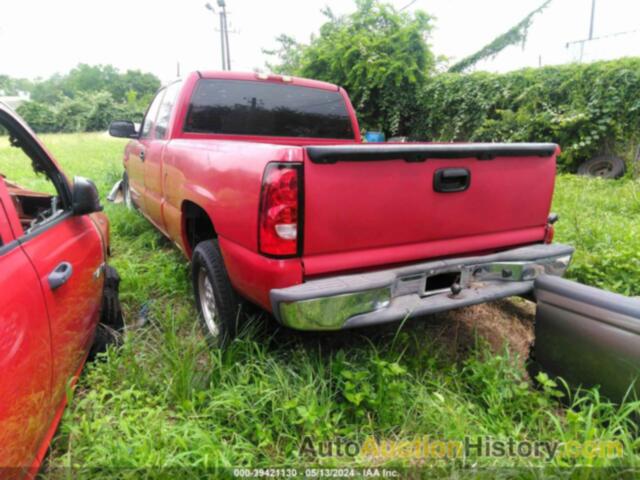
(60, 275)
(141, 155)
(448, 180)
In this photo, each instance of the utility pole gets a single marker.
(224, 36)
(223, 19)
(222, 47)
(591, 22)
(593, 13)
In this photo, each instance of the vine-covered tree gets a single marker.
(378, 54)
(589, 109)
(513, 36)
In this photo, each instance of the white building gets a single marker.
(14, 101)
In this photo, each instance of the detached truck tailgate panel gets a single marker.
(376, 197)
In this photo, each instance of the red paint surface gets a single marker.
(250, 272)
(74, 307)
(45, 334)
(25, 361)
(373, 213)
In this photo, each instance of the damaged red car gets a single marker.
(55, 289)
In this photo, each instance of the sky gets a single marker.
(41, 37)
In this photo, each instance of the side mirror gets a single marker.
(84, 198)
(123, 129)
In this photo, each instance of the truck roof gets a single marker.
(267, 77)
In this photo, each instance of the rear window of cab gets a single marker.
(244, 107)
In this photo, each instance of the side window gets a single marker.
(166, 107)
(34, 197)
(150, 117)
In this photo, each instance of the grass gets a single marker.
(601, 219)
(166, 405)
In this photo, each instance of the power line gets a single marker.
(408, 5)
(591, 38)
(602, 37)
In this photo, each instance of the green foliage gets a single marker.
(72, 113)
(516, 34)
(585, 108)
(375, 390)
(86, 111)
(288, 53)
(601, 219)
(88, 98)
(40, 116)
(95, 78)
(379, 55)
(14, 86)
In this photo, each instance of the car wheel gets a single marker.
(217, 302)
(603, 166)
(126, 192)
(109, 330)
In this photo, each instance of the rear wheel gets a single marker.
(217, 303)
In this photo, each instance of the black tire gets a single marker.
(104, 337)
(109, 330)
(603, 166)
(126, 193)
(219, 319)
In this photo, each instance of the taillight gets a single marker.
(549, 233)
(279, 210)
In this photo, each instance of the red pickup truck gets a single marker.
(264, 183)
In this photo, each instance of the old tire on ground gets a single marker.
(109, 330)
(126, 192)
(217, 302)
(603, 166)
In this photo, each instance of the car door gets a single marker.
(137, 153)
(25, 349)
(153, 165)
(588, 336)
(67, 254)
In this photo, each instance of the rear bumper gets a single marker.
(349, 301)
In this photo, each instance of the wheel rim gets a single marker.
(207, 302)
(601, 169)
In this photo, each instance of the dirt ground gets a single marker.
(507, 322)
(504, 323)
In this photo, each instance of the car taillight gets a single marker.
(279, 210)
(549, 234)
(550, 231)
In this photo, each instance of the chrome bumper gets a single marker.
(376, 297)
